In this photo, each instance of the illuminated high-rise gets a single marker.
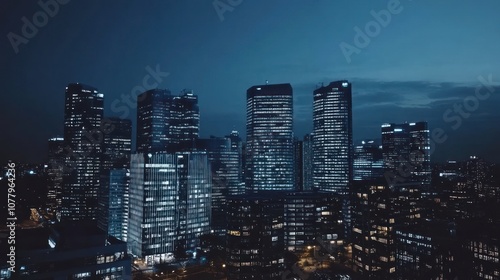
(332, 120)
(83, 114)
(269, 161)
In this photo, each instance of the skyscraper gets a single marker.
(298, 164)
(170, 203)
(332, 120)
(186, 120)
(307, 162)
(113, 194)
(166, 122)
(155, 121)
(407, 147)
(368, 161)
(83, 147)
(225, 176)
(332, 145)
(237, 147)
(55, 173)
(269, 162)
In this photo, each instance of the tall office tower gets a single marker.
(55, 173)
(373, 249)
(255, 245)
(155, 121)
(237, 147)
(195, 199)
(406, 153)
(170, 203)
(186, 121)
(307, 162)
(332, 146)
(313, 220)
(298, 164)
(225, 168)
(113, 193)
(118, 206)
(82, 123)
(269, 162)
(477, 171)
(332, 117)
(368, 161)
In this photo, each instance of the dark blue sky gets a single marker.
(427, 58)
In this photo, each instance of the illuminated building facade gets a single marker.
(332, 121)
(83, 115)
(269, 162)
(55, 173)
(368, 161)
(307, 162)
(170, 203)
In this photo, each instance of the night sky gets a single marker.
(428, 57)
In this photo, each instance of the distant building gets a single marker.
(307, 162)
(368, 161)
(269, 150)
(255, 237)
(406, 147)
(298, 161)
(166, 123)
(113, 193)
(237, 147)
(226, 176)
(55, 173)
(63, 251)
(83, 115)
(170, 203)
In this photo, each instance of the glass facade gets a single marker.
(307, 162)
(83, 114)
(170, 203)
(269, 149)
(55, 173)
(332, 120)
(406, 147)
(116, 158)
(166, 122)
(368, 161)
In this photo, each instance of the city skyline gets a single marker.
(418, 78)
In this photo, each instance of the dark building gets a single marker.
(269, 150)
(255, 237)
(406, 152)
(65, 251)
(226, 176)
(55, 174)
(83, 114)
(373, 220)
(368, 161)
(313, 219)
(298, 164)
(428, 250)
(166, 122)
(113, 193)
(170, 203)
(155, 121)
(307, 162)
(186, 121)
(237, 147)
